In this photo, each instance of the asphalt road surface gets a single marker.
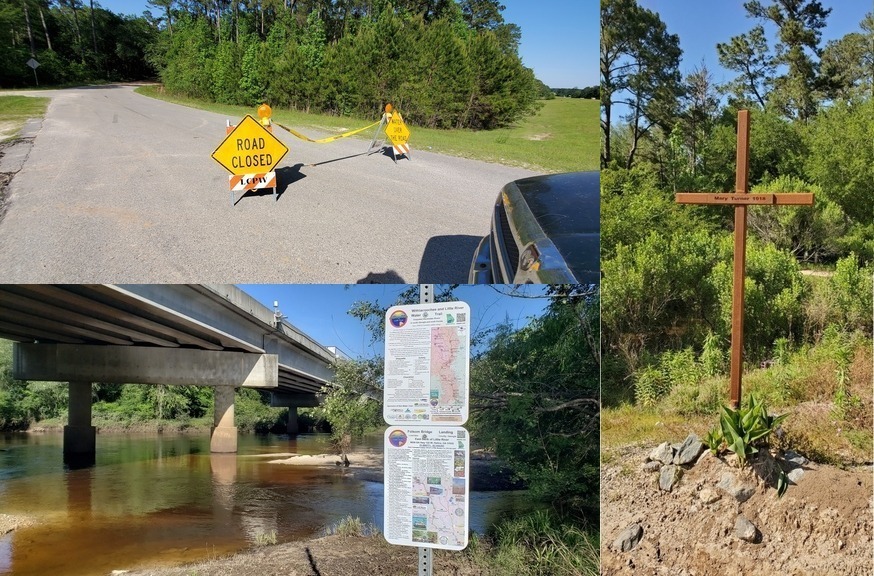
(121, 188)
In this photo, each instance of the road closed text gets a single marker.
(248, 153)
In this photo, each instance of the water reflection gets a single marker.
(166, 500)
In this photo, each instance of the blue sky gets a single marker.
(320, 310)
(701, 25)
(559, 37)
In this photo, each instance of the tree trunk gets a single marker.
(605, 159)
(93, 30)
(29, 34)
(45, 28)
(635, 136)
(72, 4)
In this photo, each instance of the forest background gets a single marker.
(445, 63)
(666, 289)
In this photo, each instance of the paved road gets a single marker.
(121, 188)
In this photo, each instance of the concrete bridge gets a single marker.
(192, 334)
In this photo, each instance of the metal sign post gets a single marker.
(426, 555)
(371, 149)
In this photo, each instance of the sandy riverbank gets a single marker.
(487, 473)
(8, 522)
(330, 555)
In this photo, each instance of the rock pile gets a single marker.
(671, 460)
(667, 459)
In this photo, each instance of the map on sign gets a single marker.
(427, 473)
(396, 130)
(250, 149)
(427, 358)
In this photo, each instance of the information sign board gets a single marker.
(250, 148)
(427, 357)
(427, 481)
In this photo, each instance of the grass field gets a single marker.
(14, 112)
(563, 136)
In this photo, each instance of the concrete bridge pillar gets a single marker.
(80, 437)
(224, 433)
(293, 428)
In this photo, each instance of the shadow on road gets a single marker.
(312, 561)
(288, 175)
(284, 176)
(387, 152)
(338, 159)
(387, 277)
(447, 259)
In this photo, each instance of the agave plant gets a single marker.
(746, 428)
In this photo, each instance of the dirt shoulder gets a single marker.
(334, 555)
(822, 525)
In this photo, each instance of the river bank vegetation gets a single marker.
(668, 268)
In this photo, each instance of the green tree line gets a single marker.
(72, 42)
(443, 63)
(587, 92)
(667, 268)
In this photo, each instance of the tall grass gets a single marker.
(825, 388)
(538, 544)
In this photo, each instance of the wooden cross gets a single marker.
(740, 199)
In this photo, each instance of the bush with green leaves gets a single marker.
(774, 290)
(654, 294)
(352, 400)
(650, 385)
(676, 370)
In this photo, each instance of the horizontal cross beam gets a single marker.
(143, 365)
(740, 199)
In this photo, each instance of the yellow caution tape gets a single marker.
(324, 140)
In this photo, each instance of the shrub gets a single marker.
(650, 385)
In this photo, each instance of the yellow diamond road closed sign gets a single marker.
(250, 148)
(396, 130)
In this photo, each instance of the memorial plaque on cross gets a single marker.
(740, 199)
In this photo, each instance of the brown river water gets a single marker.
(165, 500)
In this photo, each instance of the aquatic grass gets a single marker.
(265, 538)
(351, 527)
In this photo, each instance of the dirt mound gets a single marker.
(822, 525)
(332, 555)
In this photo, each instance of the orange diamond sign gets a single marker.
(250, 148)
(396, 130)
